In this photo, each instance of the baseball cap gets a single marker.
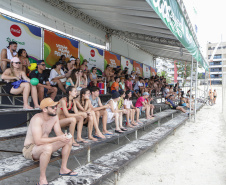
(40, 61)
(15, 59)
(47, 102)
(115, 95)
(146, 94)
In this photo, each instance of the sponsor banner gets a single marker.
(146, 71)
(56, 45)
(125, 62)
(171, 14)
(112, 59)
(153, 71)
(138, 68)
(94, 55)
(175, 71)
(27, 36)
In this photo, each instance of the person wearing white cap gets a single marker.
(18, 83)
(38, 146)
(71, 63)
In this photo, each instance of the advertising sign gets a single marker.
(56, 45)
(93, 55)
(27, 36)
(153, 71)
(112, 59)
(125, 62)
(146, 71)
(138, 68)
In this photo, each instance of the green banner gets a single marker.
(171, 14)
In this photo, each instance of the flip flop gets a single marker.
(95, 136)
(107, 134)
(68, 174)
(80, 142)
(123, 129)
(73, 144)
(43, 184)
(118, 131)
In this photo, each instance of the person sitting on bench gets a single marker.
(143, 105)
(18, 83)
(38, 146)
(44, 88)
(114, 113)
(99, 109)
(172, 105)
(69, 119)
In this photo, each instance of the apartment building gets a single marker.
(215, 65)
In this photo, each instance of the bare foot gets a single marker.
(138, 121)
(135, 124)
(27, 107)
(129, 125)
(92, 138)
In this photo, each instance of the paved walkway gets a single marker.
(195, 155)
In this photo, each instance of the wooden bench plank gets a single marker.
(57, 155)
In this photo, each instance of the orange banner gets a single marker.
(56, 45)
(138, 68)
(112, 59)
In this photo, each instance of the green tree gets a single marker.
(184, 70)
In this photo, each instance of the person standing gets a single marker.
(38, 146)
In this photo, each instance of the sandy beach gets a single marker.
(195, 155)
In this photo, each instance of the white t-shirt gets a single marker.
(54, 74)
(127, 103)
(137, 85)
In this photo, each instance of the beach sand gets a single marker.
(195, 155)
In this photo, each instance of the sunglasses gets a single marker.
(53, 107)
(17, 62)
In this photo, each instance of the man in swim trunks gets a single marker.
(214, 96)
(38, 146)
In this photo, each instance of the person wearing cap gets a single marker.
(18, 83)
(38, 146)
(7, 54)
(58, 77)
(143, 105)
(71, 64)
(115, 114)
(44, 87)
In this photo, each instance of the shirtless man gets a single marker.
(214, 96)
(211, 96)
(39, 147)
(7, 54)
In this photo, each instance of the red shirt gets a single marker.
(129, 84)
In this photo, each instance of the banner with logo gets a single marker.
(125, 62)
(153, 71)
(146, 71)
(56, 45)
(171, 14)
(138, 68)
(27, 36)
(112, 59)
(93, 55)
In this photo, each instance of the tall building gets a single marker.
(215, 65)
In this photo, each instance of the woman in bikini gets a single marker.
(70, 119)
(22, 55)
(18, 83)
(85, 106)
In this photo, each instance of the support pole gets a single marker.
(191, 87)
(196, 85)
